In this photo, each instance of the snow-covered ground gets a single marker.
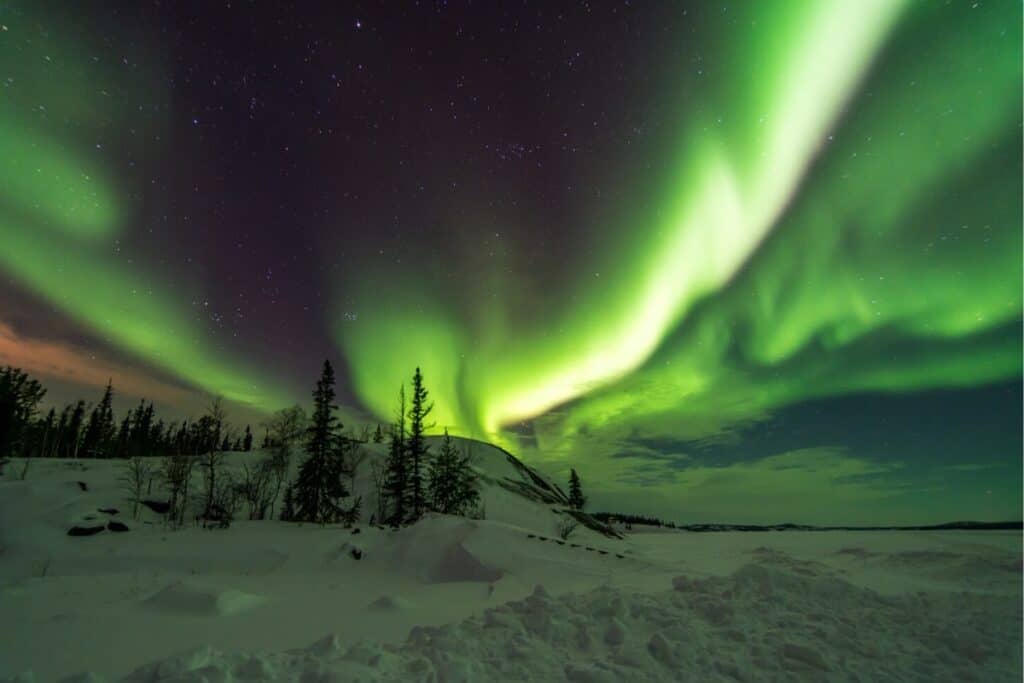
(451, 599)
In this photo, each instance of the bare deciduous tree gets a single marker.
(135, 473)
(257, 487)
(354, 458)
(176, 471)
(212, 459)
(284, 430)
(566, 528)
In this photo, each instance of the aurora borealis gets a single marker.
(637, 240)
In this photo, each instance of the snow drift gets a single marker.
(452, 599)
(757, 624)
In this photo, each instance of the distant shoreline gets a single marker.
(708, 528)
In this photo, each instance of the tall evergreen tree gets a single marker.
(247, 441)
(99, 430)
(60, 431)
(320, 485)
(48, 433)
(19, 397)
(73, 434)
(453, 482)
(156, 438)
(443, 475)
(418, 450)
(467, 489)
(123, 437)
(396, 477)
(378, 435)
(141, 430)
(576, 499)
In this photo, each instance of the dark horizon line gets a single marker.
(711, 527)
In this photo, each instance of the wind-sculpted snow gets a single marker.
(760, 623)
(449, 598)
(196, 599)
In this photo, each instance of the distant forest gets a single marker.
(414, 480)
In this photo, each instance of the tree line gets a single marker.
(80, 430)
(411, 482)
(629, 520)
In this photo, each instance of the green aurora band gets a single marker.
(60, 218)
(836, 210)
(841, 213)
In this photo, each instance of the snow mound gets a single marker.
(458, 564)
(344, 553)
(984, 569)
(205, 601)
(760, 623)
(438, 545)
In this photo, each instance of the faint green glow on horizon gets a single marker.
(134, 311)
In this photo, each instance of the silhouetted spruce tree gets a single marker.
(453, 489)
(442, 477)
(156, 439)
(19, 397)
(48, 427)
(73, 435)
(396, 476)
(378, 435)
(576, 499)
(100, 428)
(247, 441)
(141, 430)
(59, 432)
(418, 450)
(123, 437)
(320, 486)
(467, 489)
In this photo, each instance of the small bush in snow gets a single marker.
(566, 528)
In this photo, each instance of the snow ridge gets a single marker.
(760, 623)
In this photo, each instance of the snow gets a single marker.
(503, 598)
(188, 597)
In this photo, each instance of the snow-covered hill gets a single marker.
(453, 599)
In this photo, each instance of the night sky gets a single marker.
(749, 262)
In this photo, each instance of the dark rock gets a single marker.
(82, 485)
(85, 530)
(357, 554)
(108, 511)
(117, 526)
(560, 542)
(157, 506)
(356, 530)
